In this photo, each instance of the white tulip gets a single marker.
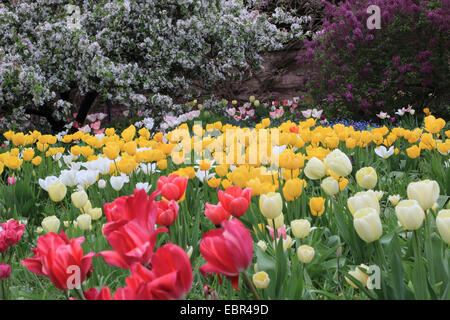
(426, 192)
(410, 214)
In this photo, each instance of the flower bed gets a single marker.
(298, 210)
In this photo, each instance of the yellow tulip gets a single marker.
(317, 206)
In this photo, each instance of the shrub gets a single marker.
(360, 71)
(138, 54)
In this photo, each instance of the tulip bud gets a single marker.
(57, 191)
(410, 214)
(261, 280)
(50, 224)
(315, 169)
(95, 213)
(305, 254)
(66, 224)
(426, 192)
(262, 244)
(39, 230)
(84, 221)
(443, 224)
(270, 205)
(368, 224)
(359, 274)
(278, 222)
(300, 228)
(102, 184)
(79, 199)
(330, 185)
(11, 181)
(189, 251)
(5, 271)
(366, 177)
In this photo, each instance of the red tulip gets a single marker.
(10, 234)
(105, 294)
(227, 251)
(216, 213)
(94, 294)
(235, 200)
(55, 256)
(172, 187)
(170, 276)
(167, 212)
(5, 271)
(131, 231)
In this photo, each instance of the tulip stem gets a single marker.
(250, 284)
(380, 253)
(3, 290)
(79, 294)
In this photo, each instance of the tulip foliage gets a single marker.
(118, 216)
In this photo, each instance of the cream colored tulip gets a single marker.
(367, 224)
(300, 228)
(315, 169)
(410, 214)
(338, 163)
(84, 222)
(367, 177)
(360, 274)
(362, 200)
(79, 199)
(261, 280)
(50, 224)
(426, 192)
(330, 185)
(271, 205)
(443, 224)
(305, 254)
(95, 213)
(57, 191)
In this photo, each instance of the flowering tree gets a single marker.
(139, 54)
(364, 70)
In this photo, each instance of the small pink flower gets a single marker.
(236, 117)
(99, 131)
(86, 129)
(383, 115)
(96, 125)
(12, 181)
(91, 117)
(281, 231)
(231, 111)
(251, 113)
(307, 113)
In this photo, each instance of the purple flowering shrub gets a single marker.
(361, 71)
